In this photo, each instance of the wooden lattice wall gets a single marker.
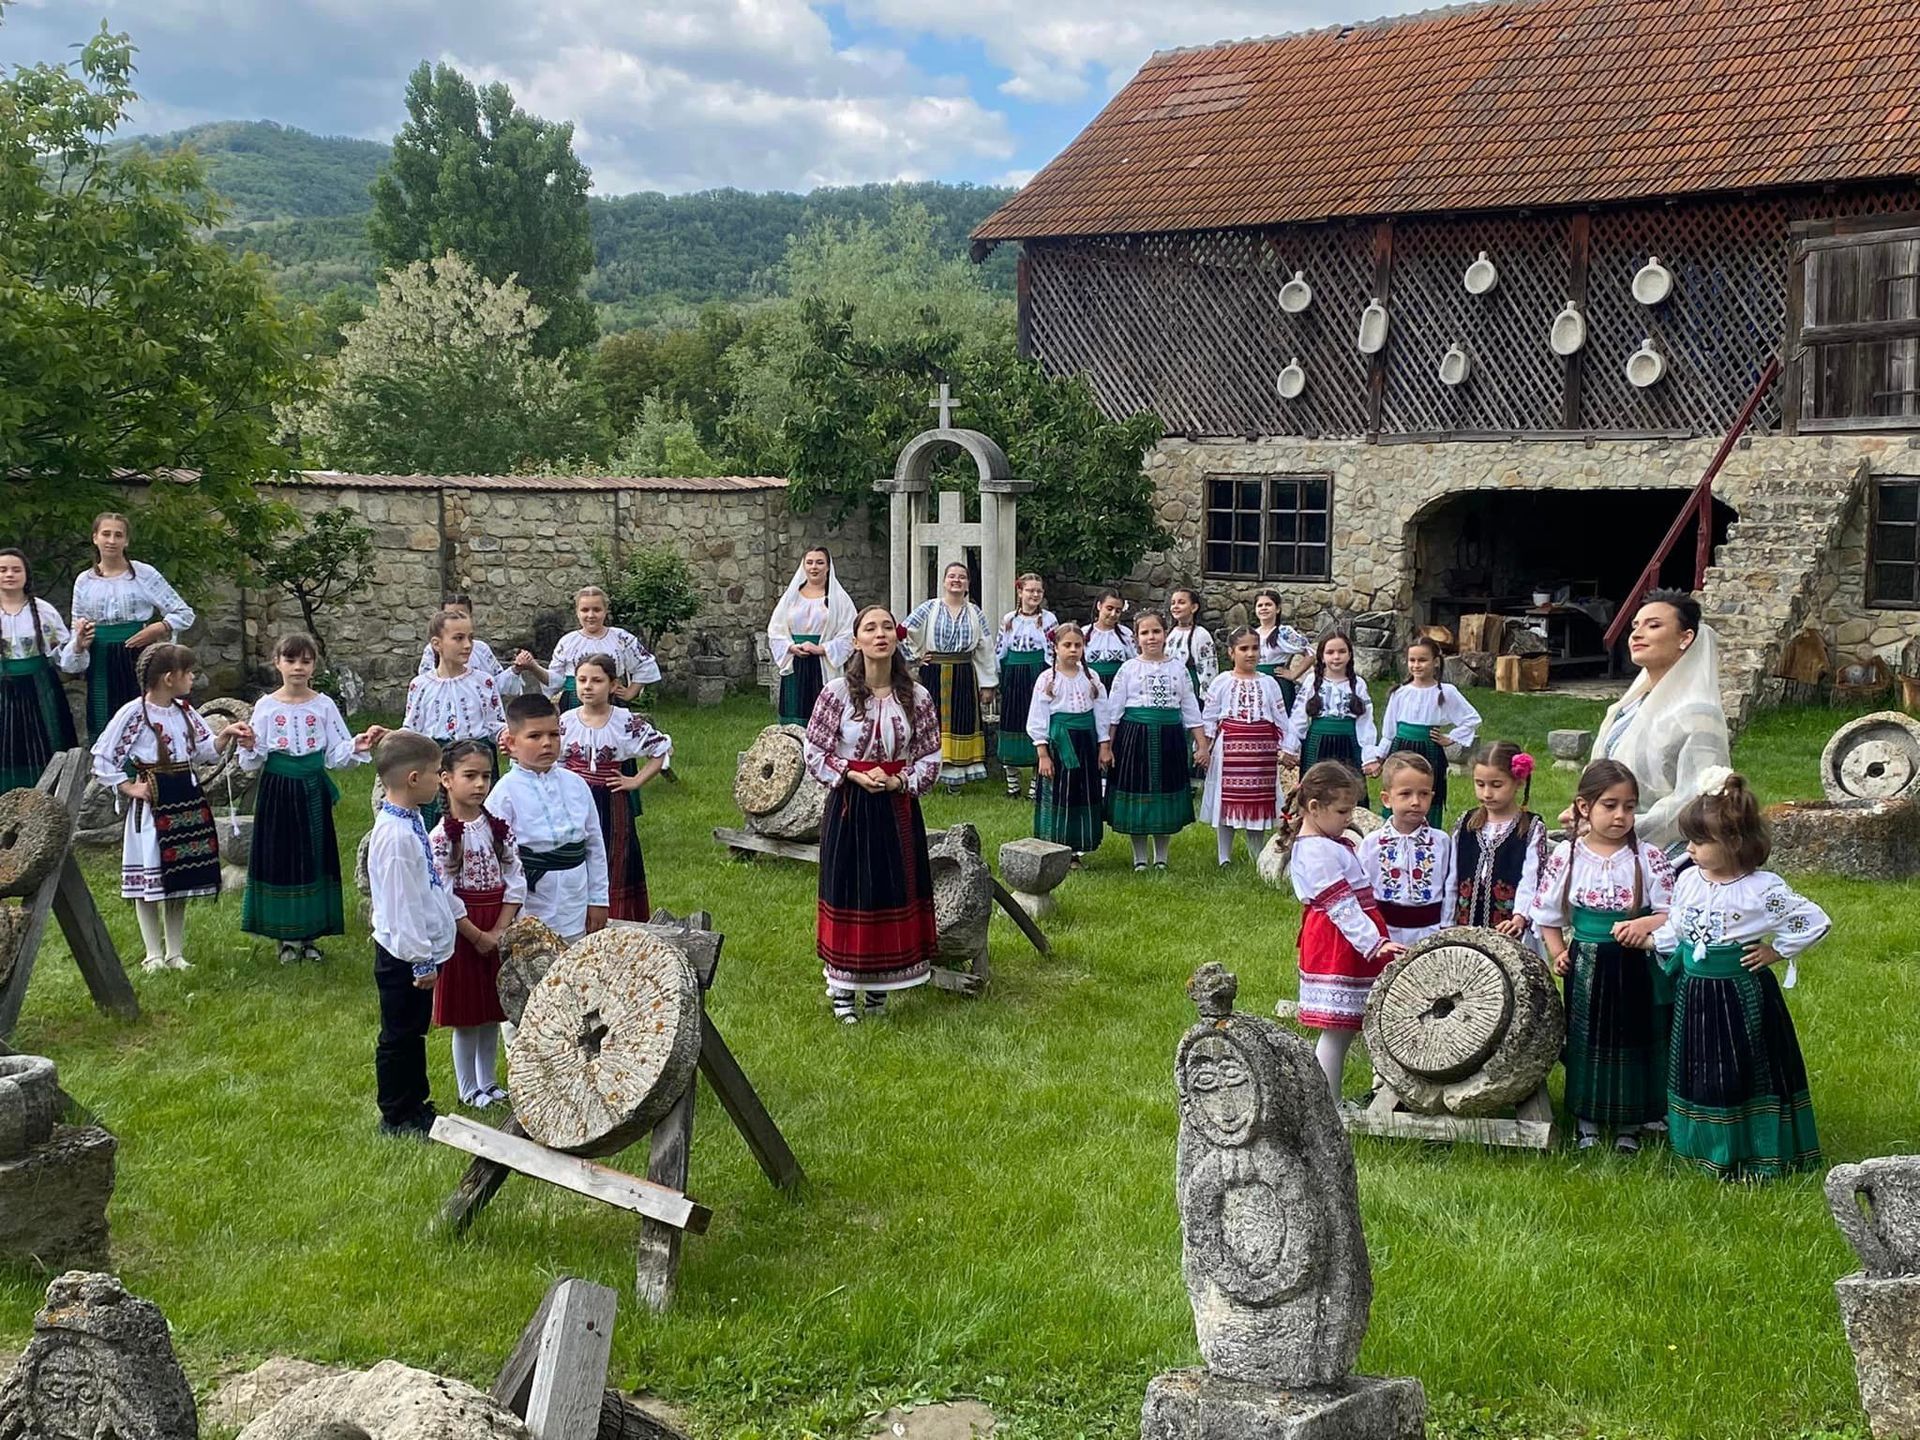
(1189, 326)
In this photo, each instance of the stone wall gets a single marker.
(521, 547)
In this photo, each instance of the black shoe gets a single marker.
(417, 1126)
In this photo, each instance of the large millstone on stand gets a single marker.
(35, 830)
(773, 789)
(1467, 1022)
(607, 1043)
(1876, 757)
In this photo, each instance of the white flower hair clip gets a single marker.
(1713, 779)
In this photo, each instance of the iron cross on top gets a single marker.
(946, 405)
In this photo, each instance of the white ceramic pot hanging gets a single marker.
(1296, 295)
(1292, 380)
(1481, 276)
(1652, 282)
(1455, 366)
(1373, 328)
(1646, 366)
(1569, 331)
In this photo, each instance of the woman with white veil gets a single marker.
(810, 634)
(1669, 728)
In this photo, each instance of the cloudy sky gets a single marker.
(680, 95)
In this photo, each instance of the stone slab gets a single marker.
(1034, 866)
(1194, 1405)
(53, 1201)
(1574, 745)
(1882, 1320)
(1878, 840)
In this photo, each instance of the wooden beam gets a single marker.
(743, 1106)
(583, 1177)
(1018, 914)
(1864, 230)
(742, 840)
(515, 1381)
(570, 1371)
(1377, 362)
(1579, 260)
(1856, 330)
(656, 1267)
(90, 943)
(1794, 377)
(1023, 307)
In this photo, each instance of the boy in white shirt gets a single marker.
(414, 916)
(552, 814)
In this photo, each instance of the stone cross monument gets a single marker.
(946, 531)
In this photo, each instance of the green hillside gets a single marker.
(301, 200)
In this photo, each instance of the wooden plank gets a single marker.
(477, 1187)
(1865, 235)
(1377, 362)
(1579, 256)
(1532, 1127)
(515, 1381)
(743, 1106)
(1023, 307)
(1854, 331)
(656, 1267)
(90, 943)
(767, 845)
(1793, 385)
(570, 1374)
(1019, 916)
(584, 1177)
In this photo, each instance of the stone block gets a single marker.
(1376, 662)
(1193, 1405)
(1470, 668)
(962, 893)
(390, 1400)
(1876, 840)
(1034, 866)
(707, 690)
(1882, 1321)
(1573, 745)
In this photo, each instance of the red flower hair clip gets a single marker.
(899, 631)
(1522, 766)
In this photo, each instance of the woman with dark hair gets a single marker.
(35, 723)
(810, 635)
(1669, 728)
(120, 606)
(874, 741)
(949, 638)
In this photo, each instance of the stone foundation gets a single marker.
(1194, 1405)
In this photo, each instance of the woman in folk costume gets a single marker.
(120, 606)
(1669, 728)
(1246, 721)
(1024, 650)
(1285, 654)
(615, 752)
(1071, 734)
(950, 640)
(874, 741)
(1190, 642)
(1109, 643)
(810, 635)
(1426, 715)
(1602, 893)
(1154, 714)
(35, 721)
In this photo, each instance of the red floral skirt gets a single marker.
(468, 990)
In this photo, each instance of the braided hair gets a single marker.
(1355, 705)
(1598, 778)
(450, 760)
(33, 604)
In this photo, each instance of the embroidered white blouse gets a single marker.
(806, 616)
(836, 736)
(142, 594)
(482, 662)
(1334, 705)
(1756, 907)
(1026, 633)
(129, 738)
(1408, 869)
(414, 909)
(632, 660)
(1327, 876)
(19, 639)
(481, 870)
(1155, 684)
(466, 707)
(596, 752)
(281, 727)
(1068, 695)
(932, 629)
(1114, 644)
(1427, 706)
(1195, 644)
(1248, 701)
(1281, 644)
(1600, 882)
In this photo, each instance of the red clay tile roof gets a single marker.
(1498, 106)
(336, 479)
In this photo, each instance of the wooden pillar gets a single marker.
(1023, 306)
(1579, 254)
(1382, 289)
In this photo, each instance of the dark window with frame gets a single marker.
(1269, 527)
(1860, 323)
(1893, 545)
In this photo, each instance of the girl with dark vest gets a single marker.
(1500, 844)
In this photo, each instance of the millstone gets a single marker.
(1876, 757)
(1444, 1014)
(35, 831)
(771, 769)
(608, 1041)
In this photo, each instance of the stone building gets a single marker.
(521, 545)
(1446, 310)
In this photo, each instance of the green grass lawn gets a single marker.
(990, 1204)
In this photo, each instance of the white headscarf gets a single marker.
(1671, 734)
(837, 640)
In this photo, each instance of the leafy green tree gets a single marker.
(685, 366)
(442, 377)
(319, 565)
(664, 442)
(130, 344)
(653, 593)
(474, 174)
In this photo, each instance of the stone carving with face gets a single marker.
(100, 1366)
(1275, 1262)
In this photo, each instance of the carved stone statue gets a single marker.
(1274, 1256)
(100, 1366)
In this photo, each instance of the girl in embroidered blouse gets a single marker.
(615, 752)
(1245, 720)
(1499, 845)
(293, 865)
(1610, 889)
(1332, 716)
(874, 741)
(595, 636)
(477, 853)
(1737, 1100)
(453, 703)
(169, 852)
(1023, 649)
(1426, 715)
(1343, 943)
(1190, 642)
(483, 661)
(1072, 737)
(1285, 654)
(120, 606)
(35, 721)
(1154, 713)
(1109, 643)
(949, 639)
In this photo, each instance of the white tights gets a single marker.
(1331, 1052)
(1223, 837)
(1162, 847)
(476, 1056)
(163, 927)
